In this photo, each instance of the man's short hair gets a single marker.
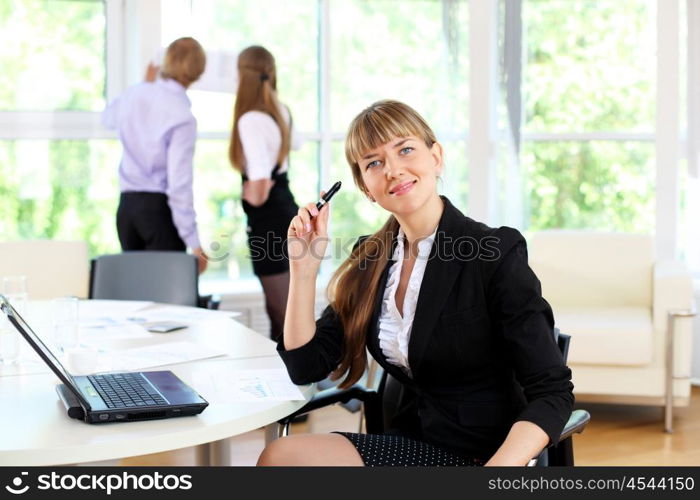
(184, 61)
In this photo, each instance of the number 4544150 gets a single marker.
(663, 483)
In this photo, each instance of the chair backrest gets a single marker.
(53, 268)
(168, 277)
(593, 269)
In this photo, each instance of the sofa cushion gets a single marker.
(593, 269)
(607, 335)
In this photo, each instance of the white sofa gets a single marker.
(608, 292)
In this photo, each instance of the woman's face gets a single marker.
(401, 174)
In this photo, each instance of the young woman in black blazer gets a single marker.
(485, 381)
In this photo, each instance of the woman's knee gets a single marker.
(278, 452)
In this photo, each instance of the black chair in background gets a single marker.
(381, 398)
(167, 277)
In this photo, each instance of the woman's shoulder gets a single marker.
(492, 245)
(286, 113)
(506, 235)
(454, 224)
(497, 245)
(255, 117)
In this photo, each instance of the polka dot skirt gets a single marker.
(382, 450)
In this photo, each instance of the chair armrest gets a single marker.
(673, 289)
(331, 396)
(577, 422)
(209, 302)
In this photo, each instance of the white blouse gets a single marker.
(261, 141)
(394, 328)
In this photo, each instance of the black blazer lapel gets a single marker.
(440, 274)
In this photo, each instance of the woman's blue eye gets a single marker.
(373, 164)
(406, 150)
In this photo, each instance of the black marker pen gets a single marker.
(327, 197)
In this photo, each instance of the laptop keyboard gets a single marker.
(126, 390)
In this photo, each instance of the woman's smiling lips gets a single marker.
(402, 188)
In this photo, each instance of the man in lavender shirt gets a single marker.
(158, 131)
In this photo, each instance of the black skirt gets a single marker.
(267, 228)
(267, 242)
(387, 450)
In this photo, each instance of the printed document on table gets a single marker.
(107, 313)
(184, 314)
(225, 386)
(98, 335)
(157, 355)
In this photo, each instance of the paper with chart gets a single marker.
(225, 386)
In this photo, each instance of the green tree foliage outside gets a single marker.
(60, 190)
(590, 68)
(52, 55)
(53, 60)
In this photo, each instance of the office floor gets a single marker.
(617, 435)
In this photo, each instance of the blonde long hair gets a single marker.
(353, 288)
(257, 91)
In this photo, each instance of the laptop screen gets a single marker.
(38, 345)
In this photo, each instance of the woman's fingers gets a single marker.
(296, 228)
(322, 220)
(311, 208)
(313, 212)
(323, 216)
(309, 218)
(303, 214)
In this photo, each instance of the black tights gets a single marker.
(276, 288)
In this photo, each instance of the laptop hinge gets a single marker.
(71, 403)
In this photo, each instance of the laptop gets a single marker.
(113, 397)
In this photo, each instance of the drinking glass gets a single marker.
(14, 288)
(9, 342)
(65, 322)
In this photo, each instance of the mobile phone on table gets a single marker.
(164, 326)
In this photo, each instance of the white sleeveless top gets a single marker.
(395, 329)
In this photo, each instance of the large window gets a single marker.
(53, 79)
(52, 55)
(589, 111)
(415, 51)
(224, 27)
(577, 148)
(59, 190)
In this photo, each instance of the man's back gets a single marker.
(145, 117)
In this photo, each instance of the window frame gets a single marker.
(129, 46)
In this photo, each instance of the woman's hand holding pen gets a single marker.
(307, 238)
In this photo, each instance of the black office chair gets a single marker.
(380, 402)
(168, 277)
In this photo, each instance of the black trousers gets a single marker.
(145, 222)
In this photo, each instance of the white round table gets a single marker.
(35, 430)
